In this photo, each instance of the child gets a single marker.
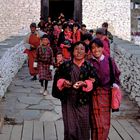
(45, 59)
(59, 59)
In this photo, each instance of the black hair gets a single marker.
(76, 25)
(105, 24)
(41, 18)
(45, 36)
(54, 23)
(97, 41)
(33, 24)
(91, 31)
(65, 25)
(83, 25)
(76, 44)
(87, 36)
(59, 52)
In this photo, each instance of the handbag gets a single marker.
(116, 98)
(115, 91)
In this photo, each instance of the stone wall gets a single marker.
(10, 63)
(15, 15)
(115, 12)
(127, 56)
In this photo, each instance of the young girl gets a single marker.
(101, 98)
(45, 59)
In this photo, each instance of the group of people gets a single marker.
(83, 76)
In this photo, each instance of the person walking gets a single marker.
(45, 61)
(101, 97)
(100, 33)
(33, 39)
(107, 33)
(73, 87)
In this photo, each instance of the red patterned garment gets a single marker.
(101, 100)
(45, 59)
(34, 41)
(106, 46)
(76, 36)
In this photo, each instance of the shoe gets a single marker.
(34, 78)
(41, 90)
(45, 93)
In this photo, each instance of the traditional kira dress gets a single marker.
(45, 59)
(101, 98)
(75, 103)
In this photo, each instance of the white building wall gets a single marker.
(115, 12)
(16, 15)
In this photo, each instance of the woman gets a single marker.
(64, 41)
(101, 98)
(45, 59)
(107, 33)
(33, 39)
(100, 33)
(73, 87)
(76, 35)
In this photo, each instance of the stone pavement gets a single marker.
(24, 102)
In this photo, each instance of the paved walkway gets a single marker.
(31, 116)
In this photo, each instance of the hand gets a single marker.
(92, 79)
(32, 46)
(79, 84)
(66, 46)
(51, 67)
(74, 30)
(67, 84)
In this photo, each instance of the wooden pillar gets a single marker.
(44, 9)
(78, 10)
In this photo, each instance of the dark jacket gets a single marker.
(86, 71)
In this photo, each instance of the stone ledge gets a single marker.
(127, 56)
(10, 63)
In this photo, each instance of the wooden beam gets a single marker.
(78, 10)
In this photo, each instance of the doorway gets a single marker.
(58, 6)
(70, 8)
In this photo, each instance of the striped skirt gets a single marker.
(101, 114)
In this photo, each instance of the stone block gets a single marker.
(29, 100)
